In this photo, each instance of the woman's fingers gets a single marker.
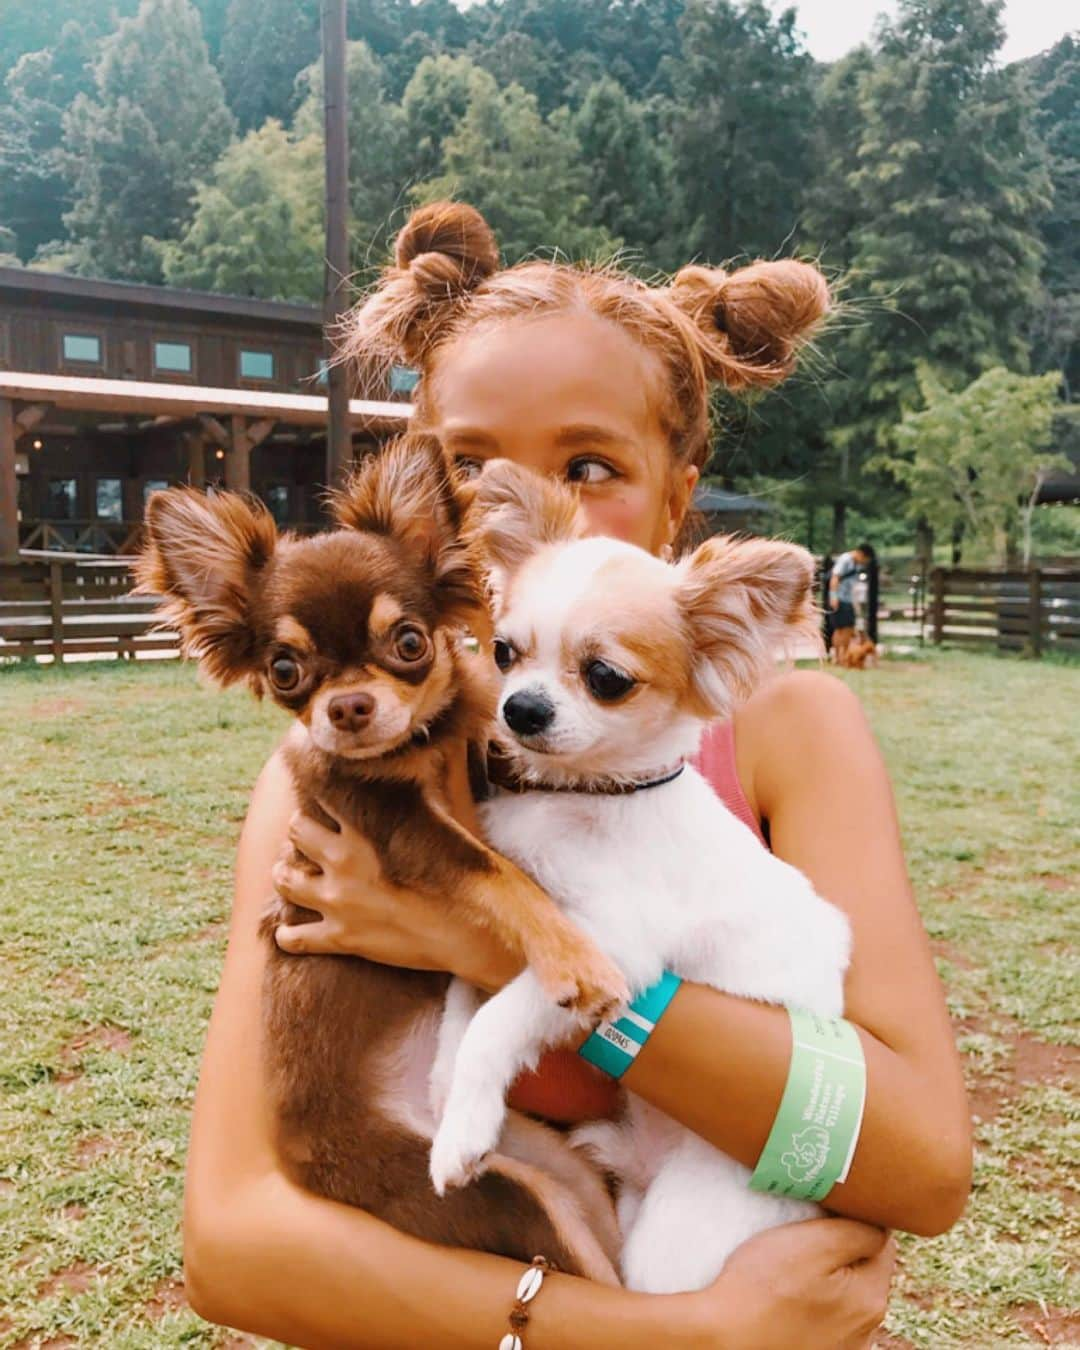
(851, 1241)
(303, 938)
(314, 840)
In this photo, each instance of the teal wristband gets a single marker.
(614, 1046)
(813, 1138)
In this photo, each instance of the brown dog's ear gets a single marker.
(408, 493)
(204, 554)
(515, 512)
(745, 603)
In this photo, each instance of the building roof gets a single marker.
(715, 501)
(82, 394)
(58, 288)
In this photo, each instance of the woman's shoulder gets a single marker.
(796, 701)
(789, 725)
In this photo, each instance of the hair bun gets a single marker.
(752, 322)
(446, 248)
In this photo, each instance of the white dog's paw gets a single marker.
(468, 1133)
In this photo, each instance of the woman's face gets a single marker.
(572, 396)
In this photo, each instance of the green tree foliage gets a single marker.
(435, 101)
(134, 150)
(630, 173)
(377, 168)
(741, 133)
(1055, 81)
(264, 46)
(973, 461)
(258, 223)
(39, 88)
(950, 185)
(524, 172)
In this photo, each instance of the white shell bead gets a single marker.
(510, 1342)
(529, 1284)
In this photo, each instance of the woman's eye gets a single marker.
(284, 673)
(504, 654)
(606, 682)
(589, 471)
(410, 644)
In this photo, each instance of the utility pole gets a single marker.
(335, 291)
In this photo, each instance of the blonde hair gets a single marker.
(742, 329)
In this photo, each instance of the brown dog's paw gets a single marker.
(579, 977)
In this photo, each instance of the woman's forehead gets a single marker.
(562, 370)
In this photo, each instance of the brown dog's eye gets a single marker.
(410, 644)
(284, 673)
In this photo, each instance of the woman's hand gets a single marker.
(364, 914)
(820, 1285)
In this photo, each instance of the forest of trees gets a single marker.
(179, 142)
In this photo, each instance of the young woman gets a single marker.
(600, 380)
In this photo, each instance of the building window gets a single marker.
(151, 486)
(256, 365)
(109, 499)
(403, 379)
(173, 356)
(82, 347)
(62, 500)
(276, 497)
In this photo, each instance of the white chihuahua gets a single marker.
(614, 663)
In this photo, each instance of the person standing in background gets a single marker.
(845, 574)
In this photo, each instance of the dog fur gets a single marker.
(358, 634)
(664, 879)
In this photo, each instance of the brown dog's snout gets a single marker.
(350, 712)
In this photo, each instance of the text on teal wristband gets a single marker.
(614, 1046)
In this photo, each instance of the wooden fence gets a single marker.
(1036, 611)
(61, 605)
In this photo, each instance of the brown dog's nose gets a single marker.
(350, 712)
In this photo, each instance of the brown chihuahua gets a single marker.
(359, 634)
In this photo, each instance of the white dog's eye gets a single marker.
(504, 654)
(606, 682)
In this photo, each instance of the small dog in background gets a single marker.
(358, 633)
(614, 662)
(861, 653)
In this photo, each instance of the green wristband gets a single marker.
(813, 1138)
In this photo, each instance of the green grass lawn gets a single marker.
(121, 792)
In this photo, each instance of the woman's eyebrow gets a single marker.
(468, 438)
(585, 435)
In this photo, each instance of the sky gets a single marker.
(833, 27)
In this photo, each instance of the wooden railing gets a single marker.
(63, 605)
(1036, 611)
(115, 538)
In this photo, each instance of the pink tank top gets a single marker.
(566, 1089)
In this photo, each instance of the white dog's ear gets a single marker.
(746, 603)
(515, 512)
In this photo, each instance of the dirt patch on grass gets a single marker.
(1030, 1061)
(114, 797)
(103, 1037)
(1055, 1326)
(168, 1296)
(1056, 883)
(94, 1146)
(43, 709)
(73, 1279)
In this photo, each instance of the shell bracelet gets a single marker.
(529, 1286)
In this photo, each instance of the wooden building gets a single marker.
(110, 390)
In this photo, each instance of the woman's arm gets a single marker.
(262, 1255)
(809, 764)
